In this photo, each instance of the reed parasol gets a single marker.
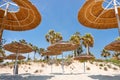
(84, 57)
(51, 53)
(26, 17)
(47, 52)
(63, 46)
(94, 15)
(1, 58)
(17, 47)
(13, 57)
(113, 46)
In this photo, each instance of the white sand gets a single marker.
(75, 71)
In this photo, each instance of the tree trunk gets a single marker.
(34, 56)
(87, 47)
(28, 57)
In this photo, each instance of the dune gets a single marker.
(74, 71)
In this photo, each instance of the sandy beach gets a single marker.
(42, 71)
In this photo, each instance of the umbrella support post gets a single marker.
(1, 33)
(84, 67)
(16, 65)
(73, 54)
(1, 28)
(62, 64)
(117, 16)
(51, 65)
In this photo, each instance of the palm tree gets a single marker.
(40, 51)
(88, 41)
(76, 39)
(53, 37)
(118, 38)
(35, 49)
(23, 41)
(105, 53)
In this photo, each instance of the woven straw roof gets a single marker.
(93, 15)
(84, 57)
(47, 52)
(113, 46)
(26, 18)
(62, 46)
(13, 57)
(17, 47)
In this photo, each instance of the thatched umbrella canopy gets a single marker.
(17, 47)
(1, 58)
(84, 57)
(51, 53)
(26, 18)
(13, 57)
(94, 15)
(63, 46)
(113, 46)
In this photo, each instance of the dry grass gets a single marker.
(114, 68)
(42, 65)
(36, 71)
(105, 69)
(88, 68)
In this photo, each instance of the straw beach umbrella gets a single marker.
(113, 46)
(47, 52)
(51, 53)
(13, 57)
(26, 17)
(93, 14)
(84, 57)
(63, 46)
(1, 58)
(18, 48)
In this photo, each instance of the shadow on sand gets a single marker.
(105, 77)
(67, 73)
(24, 77)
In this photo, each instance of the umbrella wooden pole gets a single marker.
(84, 67)
(1, 32)
(5, 14)
(16, 63)
(73, 54)
(117, 16)
(62, 64)
(51, 64)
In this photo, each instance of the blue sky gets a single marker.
(61, 16)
